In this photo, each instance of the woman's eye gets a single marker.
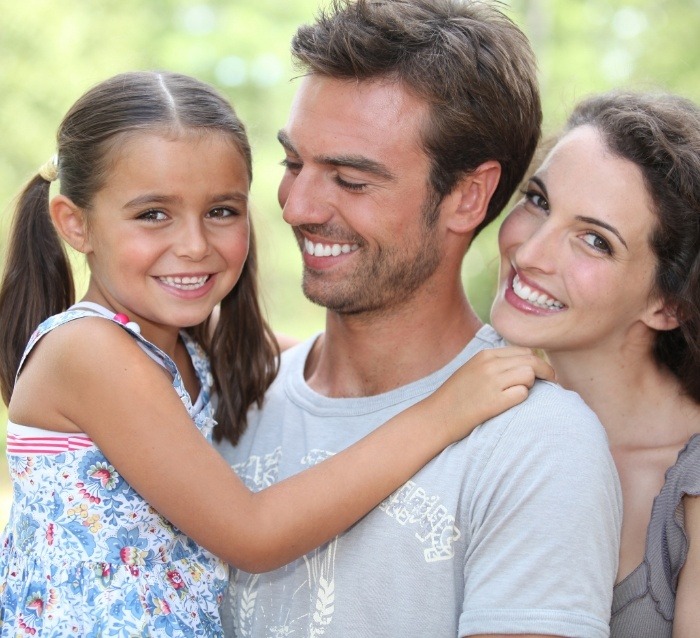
(537, 199)
(153, 216)
(596, 241)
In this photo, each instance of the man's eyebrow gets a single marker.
(284, 140)
(358, 162)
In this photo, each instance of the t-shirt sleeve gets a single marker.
(544, 524)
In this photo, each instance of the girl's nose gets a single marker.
(192, 241)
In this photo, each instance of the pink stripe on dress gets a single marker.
(54, 444)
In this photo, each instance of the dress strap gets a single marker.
(201, 409)
(89, 309)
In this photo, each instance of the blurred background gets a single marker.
(51, 52)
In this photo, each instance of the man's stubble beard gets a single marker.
(386, 279)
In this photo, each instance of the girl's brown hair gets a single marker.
(38, 281)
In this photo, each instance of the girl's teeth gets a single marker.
(185, 283)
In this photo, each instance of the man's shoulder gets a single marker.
(552, 427)
(550, 395)
(295, 356)
(547, 403)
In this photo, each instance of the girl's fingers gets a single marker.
(525, 373)
(543, 370)
(515, 394)
(510, 357)
(510, 351)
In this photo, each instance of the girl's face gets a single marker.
(167, 236)
(577, 268)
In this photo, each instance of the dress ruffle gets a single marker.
(666, 543)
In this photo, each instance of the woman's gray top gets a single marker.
(643, 602)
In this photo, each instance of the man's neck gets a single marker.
(365, 355)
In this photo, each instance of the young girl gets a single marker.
(124, 517)
(600, 268)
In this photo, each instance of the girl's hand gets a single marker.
(489, 383)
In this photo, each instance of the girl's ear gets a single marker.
(70, 223)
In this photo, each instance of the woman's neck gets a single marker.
(640, 404)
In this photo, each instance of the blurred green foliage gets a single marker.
(52, 52)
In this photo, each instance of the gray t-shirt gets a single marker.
(514, 529)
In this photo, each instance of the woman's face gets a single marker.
(577, 268)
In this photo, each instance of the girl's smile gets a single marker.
(168, 234)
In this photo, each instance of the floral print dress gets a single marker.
(83, 554)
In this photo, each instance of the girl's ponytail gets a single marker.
(37, 281)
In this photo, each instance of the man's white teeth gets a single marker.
(328, 250)
(185, 283)
(534, 297)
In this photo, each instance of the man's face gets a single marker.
(356, 193)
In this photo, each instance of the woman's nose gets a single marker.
(538, 249)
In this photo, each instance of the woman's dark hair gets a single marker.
(37, 280)
(660, 133)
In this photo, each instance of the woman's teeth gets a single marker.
(535, 298)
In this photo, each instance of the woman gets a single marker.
(600, 268)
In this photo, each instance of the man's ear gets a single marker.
(469, 199)
(661, 316)
(70, 223)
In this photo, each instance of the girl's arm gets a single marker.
(125, 402)
(686, 621)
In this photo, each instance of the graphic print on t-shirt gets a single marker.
(313, 599)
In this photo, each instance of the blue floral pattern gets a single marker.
(84, 555)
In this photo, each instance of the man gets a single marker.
(412, 127)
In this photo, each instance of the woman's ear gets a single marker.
(70, 223)
(471, 196)
(661, 316)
